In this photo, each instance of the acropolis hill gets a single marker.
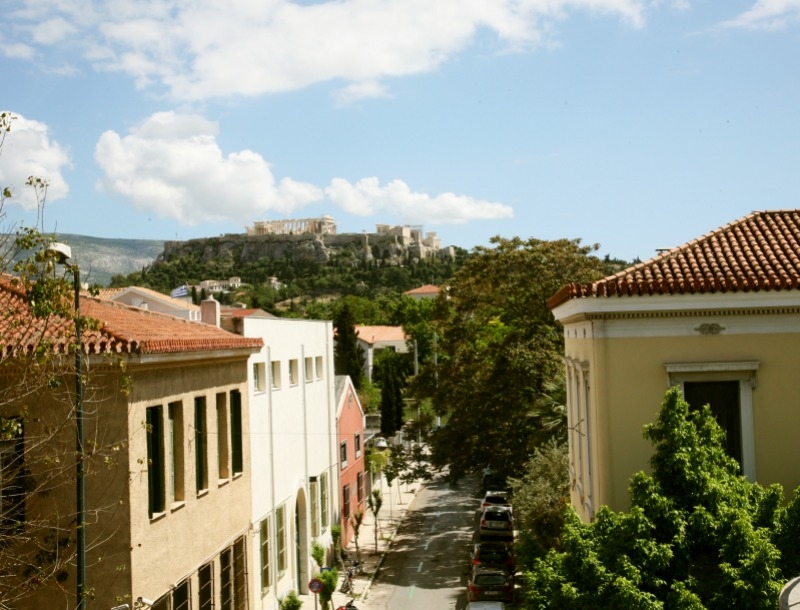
(313, 239)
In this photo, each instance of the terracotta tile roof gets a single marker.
(760, 252)
(426, 290)
(377, 334)
(122, 329)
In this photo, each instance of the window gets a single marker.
(222, 436)
(237, 452)
(275, 367)
(723, 399)
(200, 444)
(176, 451)
(280, 538)
(580, 433)
(323, 499)
(259, 377)
(12, 473)
(180, 596)
(313, 492)
(357, 444)
(346, 501)
(205, 587)
(360, 487)
(727, 387)
(266, 577)
(155, 461)
(343, 454)
(309, 369)
(294, 371)
(233, 577)
(318, 366)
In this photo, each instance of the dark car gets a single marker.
(494, 554)
(496, 522)
(490, 584)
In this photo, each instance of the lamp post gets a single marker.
(63, 253)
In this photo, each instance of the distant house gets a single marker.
(232, 283)
(145, 298)
(354, 486)
(375, 338)
(428, 291)
(169, 492)
(718, 316)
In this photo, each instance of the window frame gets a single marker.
(156, 484)
(745, 372)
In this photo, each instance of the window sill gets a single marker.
(176, 506)
(223, 482)
(157, 516)
(237, 475)
(202, 492)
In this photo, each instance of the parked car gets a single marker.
(487, 584)
(495, 498)
(496, 522)
(494, 553)
(492, 479)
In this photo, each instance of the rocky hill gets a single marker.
(304, 247)
(100, 258)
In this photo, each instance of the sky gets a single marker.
(632, 124)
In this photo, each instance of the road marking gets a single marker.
(419, 568)
(411, 592)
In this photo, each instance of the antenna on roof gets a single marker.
(662, 250)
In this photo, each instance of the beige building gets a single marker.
(168, 488)
(372, 339)
(719, 317)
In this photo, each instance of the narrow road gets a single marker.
(426, 566)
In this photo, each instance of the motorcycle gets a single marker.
(348, 606)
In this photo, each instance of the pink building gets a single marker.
(353, 486)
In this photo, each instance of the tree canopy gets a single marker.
(698, 534)
(496, 348)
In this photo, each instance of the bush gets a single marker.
(290, 602)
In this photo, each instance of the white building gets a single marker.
(294, 449)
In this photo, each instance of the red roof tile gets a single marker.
(122, 329)
(759, 252)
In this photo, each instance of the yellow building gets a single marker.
(167, 454)
(719, 317)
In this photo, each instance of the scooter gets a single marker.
(348, 606)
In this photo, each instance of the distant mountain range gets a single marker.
(101, 258)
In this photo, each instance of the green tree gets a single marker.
(496, 348)
(698, 534)
(375, 502)
(388, 373)
(348, 355)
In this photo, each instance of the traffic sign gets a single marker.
(315, 585)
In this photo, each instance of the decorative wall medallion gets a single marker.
(710, 329)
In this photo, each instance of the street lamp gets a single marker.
(62, 254)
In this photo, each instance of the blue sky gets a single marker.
(634, 124)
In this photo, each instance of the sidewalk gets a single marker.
(395, 504)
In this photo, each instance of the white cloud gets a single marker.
(27, 151)
(205, 49)
(367, 198)
(768, 15)
(172, 165)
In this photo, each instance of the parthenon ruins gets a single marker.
(325, 225)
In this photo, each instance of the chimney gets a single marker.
(209, 312)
